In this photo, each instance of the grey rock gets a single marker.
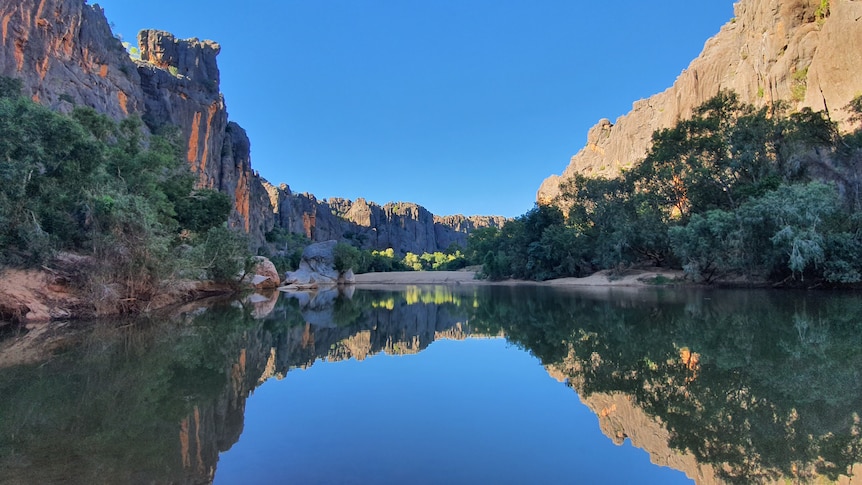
(404, 226)
(317, 266)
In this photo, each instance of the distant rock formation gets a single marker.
(404, 226)
(794, 51)
(66, 55)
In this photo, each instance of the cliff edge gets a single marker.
(802, 52)
(66, 55)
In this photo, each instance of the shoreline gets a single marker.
(630, 278)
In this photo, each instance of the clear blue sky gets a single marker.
(463, 106)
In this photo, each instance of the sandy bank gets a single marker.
(419, 278)
(602, 278)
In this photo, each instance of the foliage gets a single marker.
(733, 190)
(346, 257)
(85, 183)
(134, 52)
(223, 255)
(708, 245)
(822, 10)
(799, 81)
(376, 261)
(284, 248)
(515, 251)
(202, 210)
(436, 261)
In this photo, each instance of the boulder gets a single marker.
(347, 278)
(316, 268)
(265, 274)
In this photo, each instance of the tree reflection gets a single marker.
(760, 385)
(757, 386)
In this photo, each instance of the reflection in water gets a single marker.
(727, 386)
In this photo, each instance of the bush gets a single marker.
(88, 184)
(346, 257)
(223, 255)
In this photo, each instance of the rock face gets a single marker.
(788, 50)
(404, 226)
(180, 81)
(65, 54)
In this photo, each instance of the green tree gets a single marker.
(346, 257)
(708, 246)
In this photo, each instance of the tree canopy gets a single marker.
(755, 192)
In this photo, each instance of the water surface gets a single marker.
(445, 385)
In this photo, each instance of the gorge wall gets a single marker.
(795, 51)
(66, 55)
(404, 226)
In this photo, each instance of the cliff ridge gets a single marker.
(794, 51)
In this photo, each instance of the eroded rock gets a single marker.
(763, 54)
(316, 268)
(265, 274)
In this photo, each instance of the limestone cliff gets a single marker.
(404, 226)
(803, 52)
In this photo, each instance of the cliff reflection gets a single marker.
(744, 387)
(726, 386)
(155, 402)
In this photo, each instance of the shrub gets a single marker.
(223, 255)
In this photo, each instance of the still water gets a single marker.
(445, 385)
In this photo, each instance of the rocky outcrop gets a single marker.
(408, 227)
(180, 80)
(65, 54)
(317, 268)
(402, 226)
(304, 214)
(795, 51)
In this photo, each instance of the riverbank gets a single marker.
(629, 278)
(34, 296)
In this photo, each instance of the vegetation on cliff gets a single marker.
(734, 191)
(86, 184)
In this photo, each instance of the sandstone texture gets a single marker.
(265, 274)
(402, 226)
(772, 50)
(66, 55)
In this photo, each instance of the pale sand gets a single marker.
(629, 278)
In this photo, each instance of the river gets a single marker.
(433, 384)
